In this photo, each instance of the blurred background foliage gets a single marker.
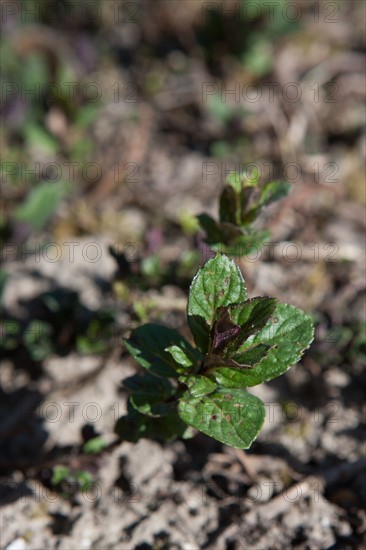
(109, 106)
(66, 70)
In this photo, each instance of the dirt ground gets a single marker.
(302, 484)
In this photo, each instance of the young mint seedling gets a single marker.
(240, 204)
(239, 343)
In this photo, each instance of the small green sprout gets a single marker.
(240, 205)
(69, 480)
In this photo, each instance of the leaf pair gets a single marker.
(226, 338)
(221, 329)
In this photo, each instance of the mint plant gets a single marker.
(238, 343)
(239, 206)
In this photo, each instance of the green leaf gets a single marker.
(35, 72)
(228, 377)
(85, 479)
(151, 405)
(273, 191)
(228, 206)
(242, 245)
(252, 316)
(86, 115)
(233, 417)
(198, 385)
(63, 473)
(289, 333)
(60, 474)
(218, 232)
(85, 347)
(201, 332)
(234, 180)
(148, 383)
(258, 56)
(150, 267)
(253, 355)
(211, 226)
(134, 426)
(36, 136)
(218, 283)
(251, 241)
(227, 371)
(179, 356)
(150, 394)
(246, 198)
(251, 178)
(213, 361)
(229, 233)
(94, 445)
(148, 344)
(41, 204)
(221, 110)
